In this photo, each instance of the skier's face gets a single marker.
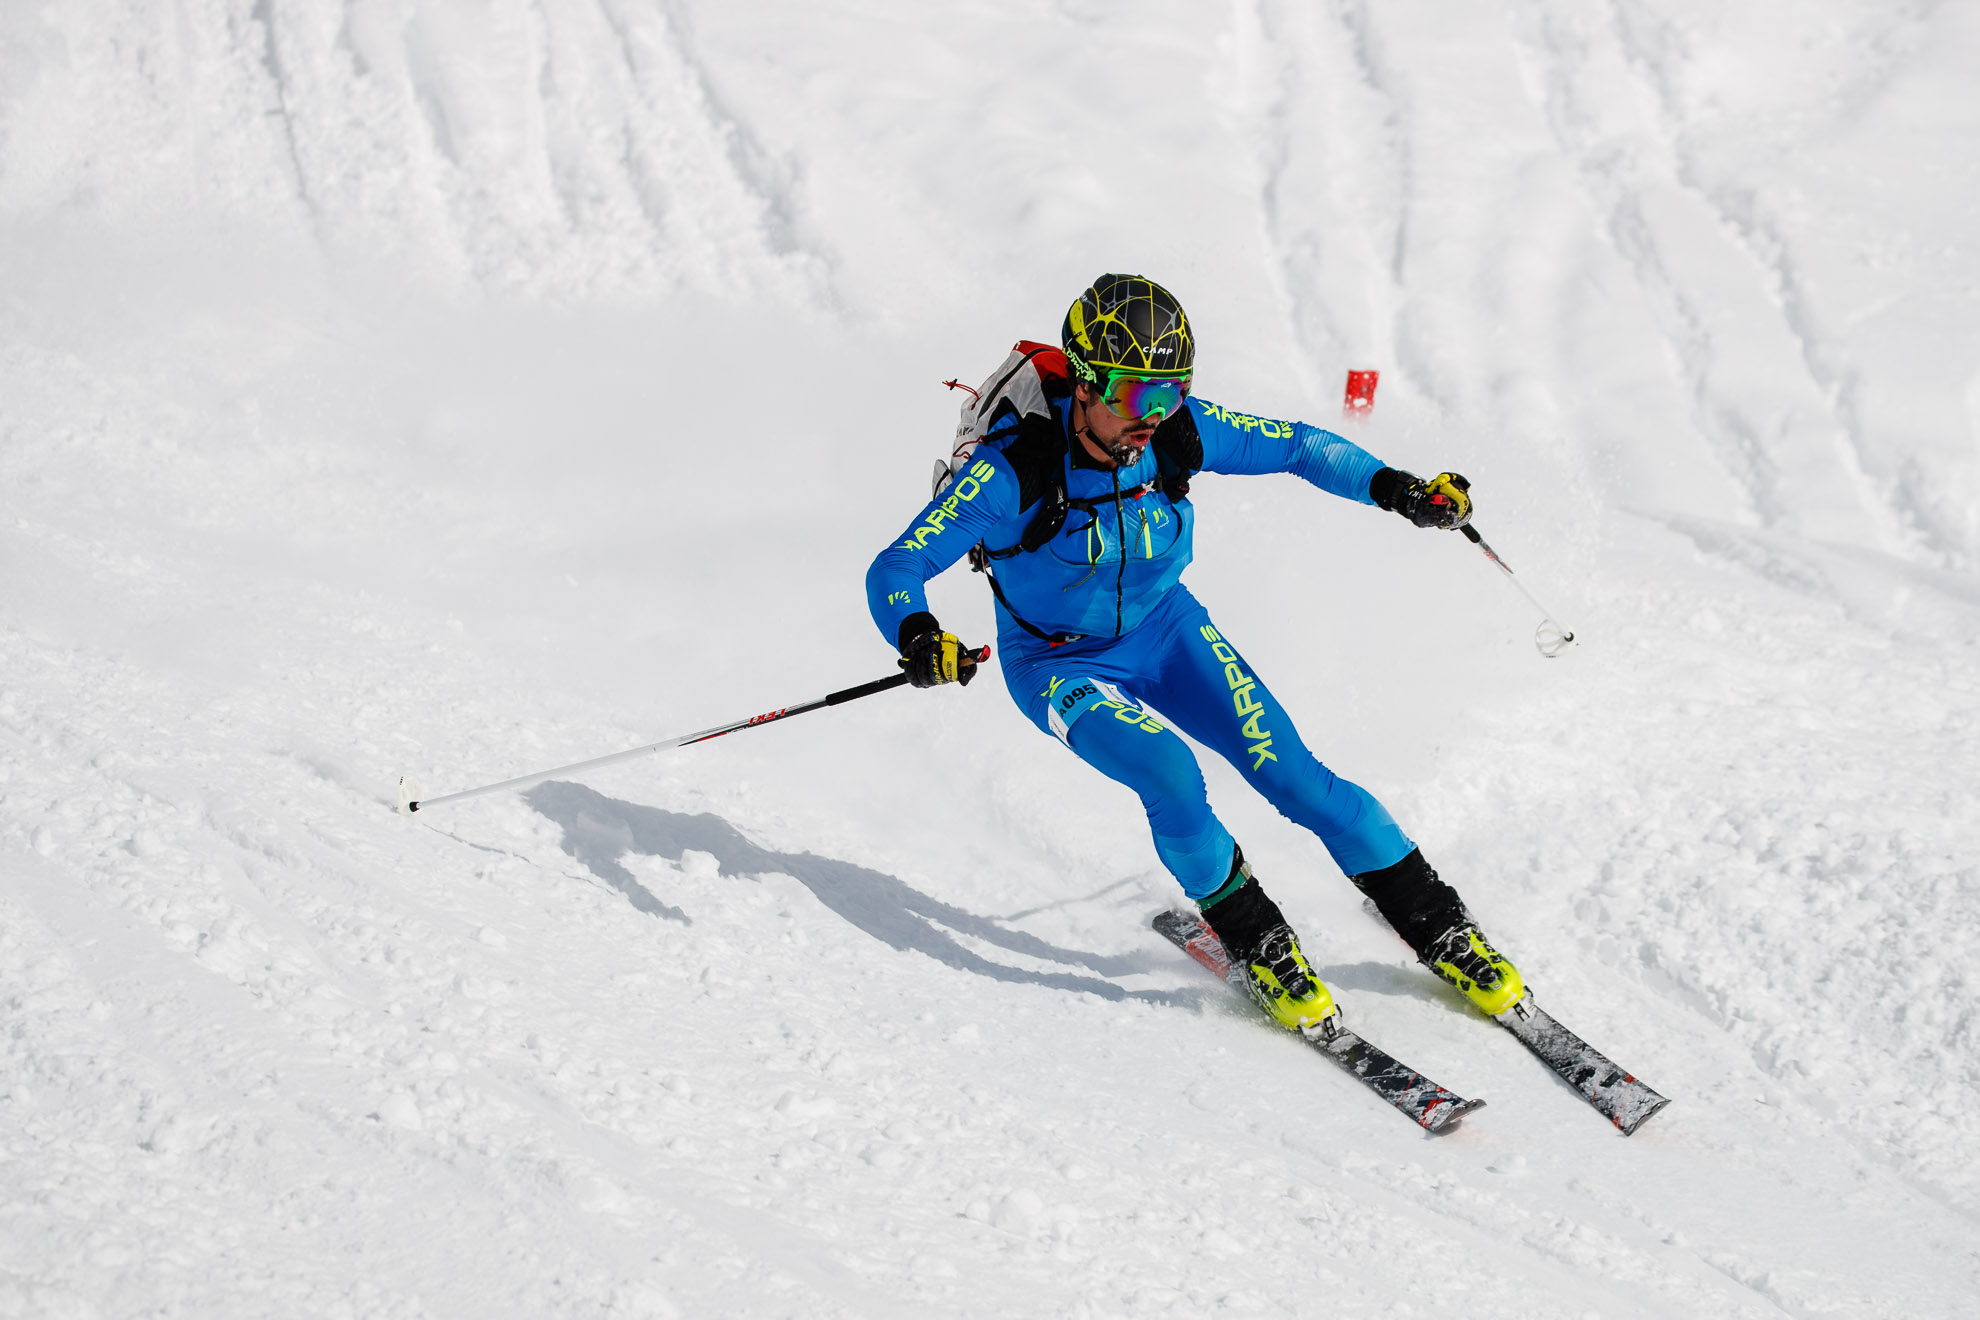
(1108, 436)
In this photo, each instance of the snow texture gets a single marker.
(462, 389)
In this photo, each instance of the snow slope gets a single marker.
(463, 389)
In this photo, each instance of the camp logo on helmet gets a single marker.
(1128, 321)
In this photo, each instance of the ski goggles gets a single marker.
(1144, 398)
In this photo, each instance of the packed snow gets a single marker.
(415, 386)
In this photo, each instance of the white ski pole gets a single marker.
(411, 797)
(1550, 638)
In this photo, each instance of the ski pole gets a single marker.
(1549, 638)
(410, 799)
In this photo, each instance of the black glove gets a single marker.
(1441, 502)
(933, 657)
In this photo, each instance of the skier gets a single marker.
(1082, 507)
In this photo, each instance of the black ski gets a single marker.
(1615, 1094)
(1432, 1107)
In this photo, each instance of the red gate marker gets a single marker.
(1360, 399)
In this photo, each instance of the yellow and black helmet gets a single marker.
(1127, 323)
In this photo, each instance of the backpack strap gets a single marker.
(1038, 457)
(1178, 453)
(1050, 639)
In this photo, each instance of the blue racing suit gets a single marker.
(1131, 651)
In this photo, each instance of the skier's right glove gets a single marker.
(932, 657)
(1443, 501)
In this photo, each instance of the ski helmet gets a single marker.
(1127, 323)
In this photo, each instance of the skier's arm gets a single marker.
(1237, 443)
(981, 497)
(1248, 446)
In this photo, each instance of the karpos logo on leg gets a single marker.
(1248, 708)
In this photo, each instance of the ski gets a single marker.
(1614, 1093)
(1432, 1107)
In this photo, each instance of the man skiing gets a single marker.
(1079, 510)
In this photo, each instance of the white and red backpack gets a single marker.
(1025, 386)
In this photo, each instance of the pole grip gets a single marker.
(976, 657)
(866, 689)
(1471, 534)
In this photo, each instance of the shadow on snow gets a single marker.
(598, 831)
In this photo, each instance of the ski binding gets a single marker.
(1434, 1108)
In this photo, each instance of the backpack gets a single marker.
(1030, 380)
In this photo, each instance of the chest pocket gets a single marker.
(1144, 528)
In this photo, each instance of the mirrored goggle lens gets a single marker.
(1138, 398)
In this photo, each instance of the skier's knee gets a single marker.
(1171, 772)
(1319, 799)
(1358, 831)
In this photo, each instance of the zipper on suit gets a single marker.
(1120, 541)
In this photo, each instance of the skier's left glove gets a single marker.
(932, 657)
(1443, 501)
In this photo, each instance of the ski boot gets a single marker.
(1284, 985)
(1480, 972)
(1255, 935)
(1432, 920)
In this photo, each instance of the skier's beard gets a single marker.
(1123, 453)
(1120, 450)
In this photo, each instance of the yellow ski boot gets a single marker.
(1284, 985)
(1461, 956)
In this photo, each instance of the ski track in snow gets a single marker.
(1613, 87)
(568, 151)
(417, 386)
